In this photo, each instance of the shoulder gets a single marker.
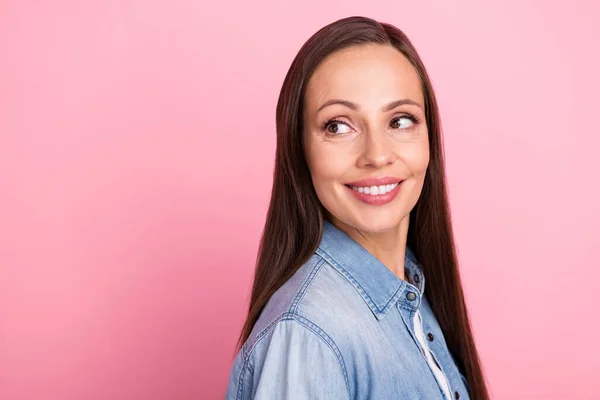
(301, 328)
(288, 354)
(317, 297)
(289, 359)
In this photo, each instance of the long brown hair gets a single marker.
(294, 221)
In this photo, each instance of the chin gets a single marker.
(375, 226)
(373, 223)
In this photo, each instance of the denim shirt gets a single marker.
(342, 328)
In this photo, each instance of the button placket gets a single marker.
(433, 346)
(439, 350)
(407, 306)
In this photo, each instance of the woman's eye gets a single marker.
(401, 123)
(337, 128)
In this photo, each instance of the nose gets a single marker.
(377, 150)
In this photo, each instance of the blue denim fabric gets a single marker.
(342, 328)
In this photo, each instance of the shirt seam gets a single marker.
(293, 309)
(311, 326)
(311, 277)
(321, 334)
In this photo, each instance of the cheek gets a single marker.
(326, 165)
(417, 160)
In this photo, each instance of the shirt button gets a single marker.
(416, 278)
(411, 296)
(430, 337)
(456, 395)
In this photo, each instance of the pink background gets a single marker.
(136, 152)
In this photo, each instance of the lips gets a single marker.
(375, 181)
(376, 195)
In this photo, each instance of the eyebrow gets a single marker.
(355, 107)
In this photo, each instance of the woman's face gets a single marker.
(365, 131)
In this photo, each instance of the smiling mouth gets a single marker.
(375, 190)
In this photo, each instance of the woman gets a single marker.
(358, 223)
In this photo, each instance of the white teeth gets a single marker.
(375, 190)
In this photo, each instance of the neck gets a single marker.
(388, 246)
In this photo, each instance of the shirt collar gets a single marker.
(377, 285)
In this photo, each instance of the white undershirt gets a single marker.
(439, 374)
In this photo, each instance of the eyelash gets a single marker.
(414, 119)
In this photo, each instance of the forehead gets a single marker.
(365, 74)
